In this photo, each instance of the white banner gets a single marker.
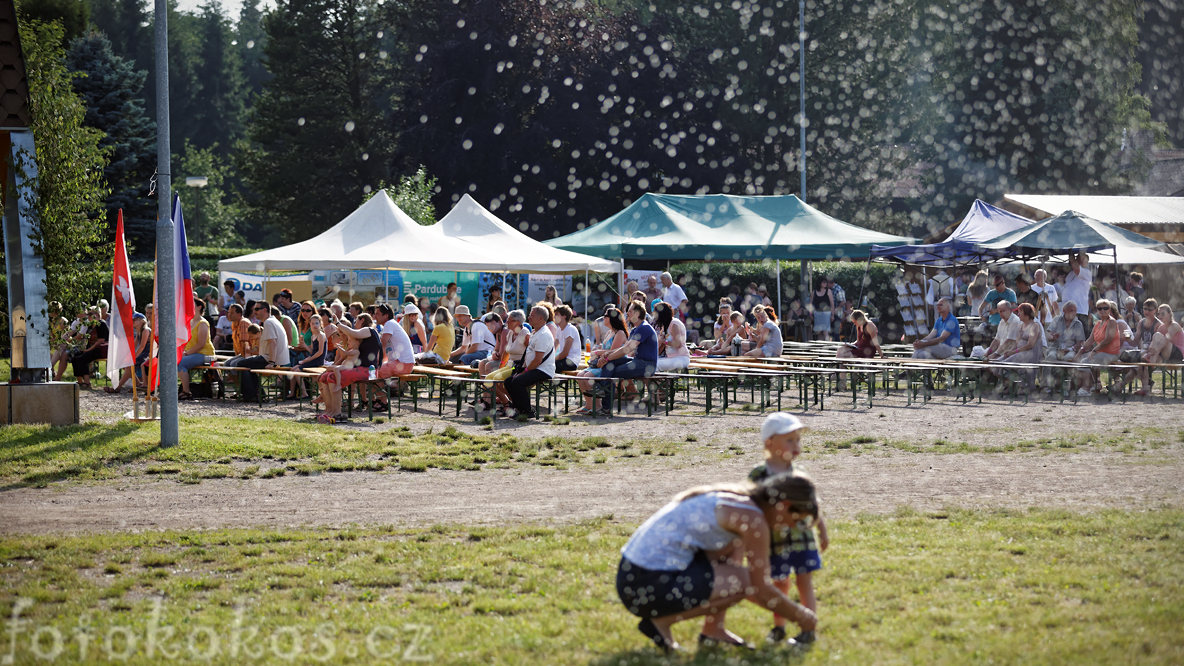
(538, 287)
(251, 285)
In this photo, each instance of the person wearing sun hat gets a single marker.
(794, 551)
(477, 342)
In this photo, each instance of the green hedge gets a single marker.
(200, 259)
(706, 283)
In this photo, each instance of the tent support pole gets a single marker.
(1120, 305)
(586, 292)
(386, 284)
(621, 284)
(779, 287)
(504, 295)
(805, 292)
(863, 283)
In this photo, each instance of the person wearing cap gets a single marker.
(476, 343)
(413, 327)
(794, 551)
(707, 550)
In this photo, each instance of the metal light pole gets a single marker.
(198, 182)
(165, 277)
(805, 265)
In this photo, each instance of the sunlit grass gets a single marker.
(221, 447)
(1043, 587)
(1129, 440)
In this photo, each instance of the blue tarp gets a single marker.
(983, 222)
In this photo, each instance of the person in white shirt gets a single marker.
(222, 331)
(477, 343)
(227, 296)
(569, 352)
(398, 353)
(540, 364)
(1050, 305)
(1078, 281)
(1006, 333)
(674, 295)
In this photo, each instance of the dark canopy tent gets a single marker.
(723, 227)
(982, 222)
(1069, 231)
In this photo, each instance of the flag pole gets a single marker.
(167, 307)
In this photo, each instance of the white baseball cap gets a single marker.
(779, 423)
(410, 308)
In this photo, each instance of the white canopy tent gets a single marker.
(378, 235)
(470, 222)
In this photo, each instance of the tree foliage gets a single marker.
(110, 88)
(321, 130)
(413, 195)
(557, 114)
(212, 212)
(70, 232)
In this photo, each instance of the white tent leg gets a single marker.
(779, 310)
(586, 293)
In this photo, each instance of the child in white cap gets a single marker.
(795, 551)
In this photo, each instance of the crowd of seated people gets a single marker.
(1069, 315)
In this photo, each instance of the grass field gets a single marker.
(211, 448)
(245, 448)
(238, 447)
(956, 587)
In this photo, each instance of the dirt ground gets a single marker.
(879, 481)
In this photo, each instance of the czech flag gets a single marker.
(182, 290)
(120, 349)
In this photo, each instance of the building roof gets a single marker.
(1114, 210)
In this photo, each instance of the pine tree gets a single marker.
(110, 87)
(321, 131)
(251, 42)
(218, 120)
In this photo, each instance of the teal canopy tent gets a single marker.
(722, 227)
(1069, 231)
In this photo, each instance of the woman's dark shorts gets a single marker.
(648, 594)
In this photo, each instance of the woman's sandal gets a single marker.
(647, 627)
(708, 642)
(583, 411)
(325, 419)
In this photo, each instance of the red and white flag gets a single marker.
(183, 291)
(121, 351)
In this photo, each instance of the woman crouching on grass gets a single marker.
(707, 550)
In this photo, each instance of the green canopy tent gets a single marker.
(1070, 232)
(723, 227)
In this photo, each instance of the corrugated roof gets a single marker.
(1115, 210)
